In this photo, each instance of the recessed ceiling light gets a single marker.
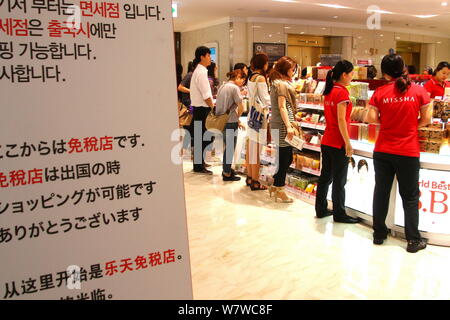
(288, 27)
(439, 42)
(381, 35)
(444, 4)
(336, 6)
(335, 17)
(425, 16)
(302, 32)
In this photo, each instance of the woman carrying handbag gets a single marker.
(229, 102)
(259, 100)
(284, 104)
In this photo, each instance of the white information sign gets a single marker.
(91, 204)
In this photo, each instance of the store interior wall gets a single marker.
(219, 34)
(239, 43)
(236, 42)
(429, 56)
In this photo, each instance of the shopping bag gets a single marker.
(297, 140)
(214, 121)
(184, 115)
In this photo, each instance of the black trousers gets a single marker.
(407, 171)
(284, 161)
(229, 143)
(199, 119)
(334, 170)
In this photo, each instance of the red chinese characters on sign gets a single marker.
(152, 260)
(21, 178)
(90, 144)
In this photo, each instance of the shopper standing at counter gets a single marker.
(243, 67)
(283, 102)
(229, 100)
(258, 115)
(396, 107)
(436, 86)
(336, 146)
(183, 88)
(202, 102)
(212, 78)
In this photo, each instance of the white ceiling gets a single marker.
(196, 12)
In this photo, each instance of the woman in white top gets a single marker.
(258, 115)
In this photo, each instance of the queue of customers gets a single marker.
(396, 151)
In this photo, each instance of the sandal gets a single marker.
(281, 195)
(256, 186)
(248, 181)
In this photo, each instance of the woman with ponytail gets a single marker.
(336, 147)
(396, 107)
(439, 82)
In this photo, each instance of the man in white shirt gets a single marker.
(202, 102)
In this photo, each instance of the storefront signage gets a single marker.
(273, 50)
(434, 202)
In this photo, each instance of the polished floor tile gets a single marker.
(243, 245)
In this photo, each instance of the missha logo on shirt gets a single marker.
(399, 99)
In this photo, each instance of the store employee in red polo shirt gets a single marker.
(436, 86)
(397, 106)
(336, 147)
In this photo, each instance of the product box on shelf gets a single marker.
(320, 89)
(302, 99)
(358, 113)
(309, 86)
(430, 146)
(373, 132)
(424, 134)
(322, 72)
(359, 90)
(437, 134)
(305, 161)
(441, 109)
(304, 186)
(354, 131)
(432, 138)
(360, 73)
(299, 85)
